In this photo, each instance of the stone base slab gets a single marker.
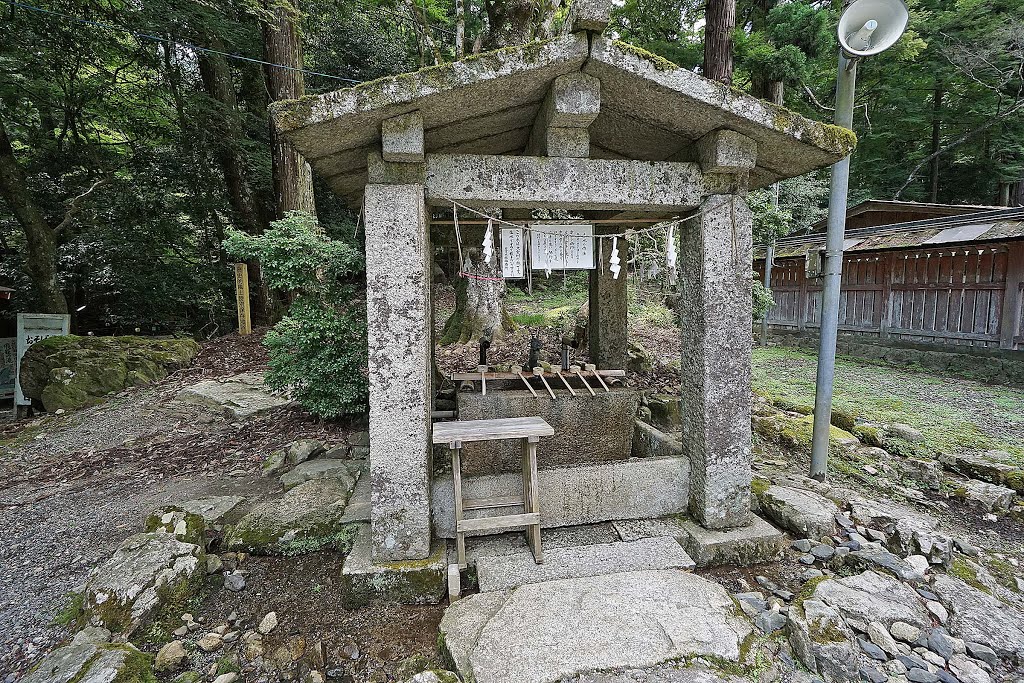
(511, 571)
(572, 496)
(752, 544)
(407, 582)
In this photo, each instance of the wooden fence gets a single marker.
(950, 295)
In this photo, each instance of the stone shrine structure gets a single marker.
(579, 122)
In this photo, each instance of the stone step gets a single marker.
(503, 572)
(561, 630)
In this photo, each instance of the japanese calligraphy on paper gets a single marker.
(562, 247)
(513, 253)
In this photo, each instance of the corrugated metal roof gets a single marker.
(984, 226)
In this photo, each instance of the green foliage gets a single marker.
(72, 614)
(318, 351)
(763, 299)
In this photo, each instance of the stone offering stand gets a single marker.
(598, 127)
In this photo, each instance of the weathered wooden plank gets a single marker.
(503, 522)
(491, 430)
(492, 503)
(1011, 321)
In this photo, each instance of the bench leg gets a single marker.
(460, 537)
(531, 496)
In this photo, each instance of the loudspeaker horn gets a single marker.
(868, 27)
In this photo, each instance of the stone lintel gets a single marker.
(726, 151)
(398, 311)
(402, 138)
(381, 172)
(551, 182)
(571, 105)
(589, 15)
(715, 314)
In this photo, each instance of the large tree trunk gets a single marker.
(282, 44)
(511, 22)
(720, 22)
(479, 303)
(39, 234)
(227, 129)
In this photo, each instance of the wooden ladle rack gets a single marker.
(589, 371)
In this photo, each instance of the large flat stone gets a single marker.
(124, 592)
(571, 496)
(541, 633)
(83, 662)
(345, 470)
(407, 582)
(667, 673)
(214, 509)
(502, 572)
(805, 513)
(238, 397)
(609, 419)
(752, 544)
(871, 596)
(993, 466)
(308, 517)
(979, 617)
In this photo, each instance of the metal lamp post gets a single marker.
(866, 27)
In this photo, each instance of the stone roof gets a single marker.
(651, 110)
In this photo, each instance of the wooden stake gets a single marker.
(242, 299)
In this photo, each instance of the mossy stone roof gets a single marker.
(651, 109)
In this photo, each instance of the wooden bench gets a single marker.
(529, 429)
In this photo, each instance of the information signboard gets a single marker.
(8, 364)
(513, 253)
(562, 247)
(33, 327)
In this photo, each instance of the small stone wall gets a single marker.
(588, 429)
(978, 363)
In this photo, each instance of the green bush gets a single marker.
(763, 299)
(318, 350)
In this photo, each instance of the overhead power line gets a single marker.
(170, 40)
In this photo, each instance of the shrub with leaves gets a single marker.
(763, 299)
(318, 351)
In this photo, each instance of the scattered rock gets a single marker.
(123, 592)
(185, 526)
(982, 653)
(872, 596)
(977, 616)
(804, 545)
(91, 663)
(811, 573)
(966, 547)
(880, 558)
(275, 462)
(920, 563)
(879, 635)
(938, 610)
(268, 623)
(210, 642)
(921, 676)
(170, 656)
(967, 671)
(229, 677)
(905, 432)
(927, 473)
(901, 630)
(872, 650)
(941, 643)
(799, 511)
(770, 621)
(234, 581)
(320, 469)
(995, 467)
(302, 450)
(213, 564)
(991, 497)
(823, 552)
(872, 675)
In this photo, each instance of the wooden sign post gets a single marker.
(242, 298)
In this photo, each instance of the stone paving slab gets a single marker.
(502, 572)
(515, 542)
(238, 397)
(546, 632)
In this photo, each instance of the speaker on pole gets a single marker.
(868, 27)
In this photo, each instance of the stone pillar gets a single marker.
(608, 308)
(715, 310)
(398, 311)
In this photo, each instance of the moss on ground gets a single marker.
(964, 570)
(955, 415)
